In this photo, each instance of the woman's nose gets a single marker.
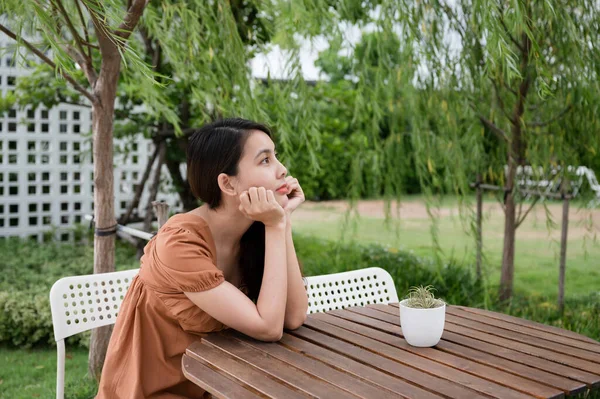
(282, 171)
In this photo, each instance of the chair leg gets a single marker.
(60, 369)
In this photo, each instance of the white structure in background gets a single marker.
(528, 178)
(46, 173)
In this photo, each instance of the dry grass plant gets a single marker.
(422, 298)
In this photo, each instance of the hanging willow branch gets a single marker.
(85, 30)
(48, 61)
(500, 101)
(507, 31)
(521, 218)
(489, 124)
(401, 77)
(549, 121)
(74, 33)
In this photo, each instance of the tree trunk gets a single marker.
(140, 189)
(508, 251)
(152, 192)
(104, 202)
(183, 188)
(479, 232)
(188, 200)
(162, 149)
(563, 253)
(516, 156)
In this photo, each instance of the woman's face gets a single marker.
(259, 167)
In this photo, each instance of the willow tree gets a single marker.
(132, 120)
(209, 57)
(182, 89)
(87, 43)
(209, 62)
(90, 41)
(504, 83)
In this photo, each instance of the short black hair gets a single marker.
(214, 149)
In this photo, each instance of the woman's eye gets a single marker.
(266, 159)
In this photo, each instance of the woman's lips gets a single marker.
(283, 189)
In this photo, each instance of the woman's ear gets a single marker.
(227, 184)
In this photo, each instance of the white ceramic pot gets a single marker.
(422, 327)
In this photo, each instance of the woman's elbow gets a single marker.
(296, 322)
(269, 333)
(273, 335)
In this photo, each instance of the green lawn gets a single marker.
(31, 373)
(536, 255)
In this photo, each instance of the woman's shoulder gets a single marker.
(182, 244)
(186, 221)
(184, 229)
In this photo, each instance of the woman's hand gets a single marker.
(295, 195)
(260, 205)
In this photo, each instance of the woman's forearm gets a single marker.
(297, 301)
(273, 292)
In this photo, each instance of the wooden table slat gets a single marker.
(247, 376)
(390, 381)
(528, 340)
(410, 374)
(559, 339)
(278, 368)
(320, 369)
(466, 365)
(212, 381)
(482, 342)
(476, 383)
(558, 369)
(529, 349)
(363, 316)
(360, 352)
(529, 323)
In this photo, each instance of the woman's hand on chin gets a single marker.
(295, 195)
(260, 205)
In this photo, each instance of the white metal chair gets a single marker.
(354, 288)
(527, 177)
(594, 185)
(80, 303)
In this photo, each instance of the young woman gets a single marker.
(230, 263)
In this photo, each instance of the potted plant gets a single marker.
(422, 317)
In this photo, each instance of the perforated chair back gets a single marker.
(80, 303)
(354, 288)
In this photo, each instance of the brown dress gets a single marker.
(157, 322)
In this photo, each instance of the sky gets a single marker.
(274, 61)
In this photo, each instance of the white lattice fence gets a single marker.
(46, 174)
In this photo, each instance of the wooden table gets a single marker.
(360, 352)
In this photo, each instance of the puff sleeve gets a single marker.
(183, 261)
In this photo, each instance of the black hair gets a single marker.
(214, 149)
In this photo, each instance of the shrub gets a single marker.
(581, 314)
(454, 283)
(28, 270)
